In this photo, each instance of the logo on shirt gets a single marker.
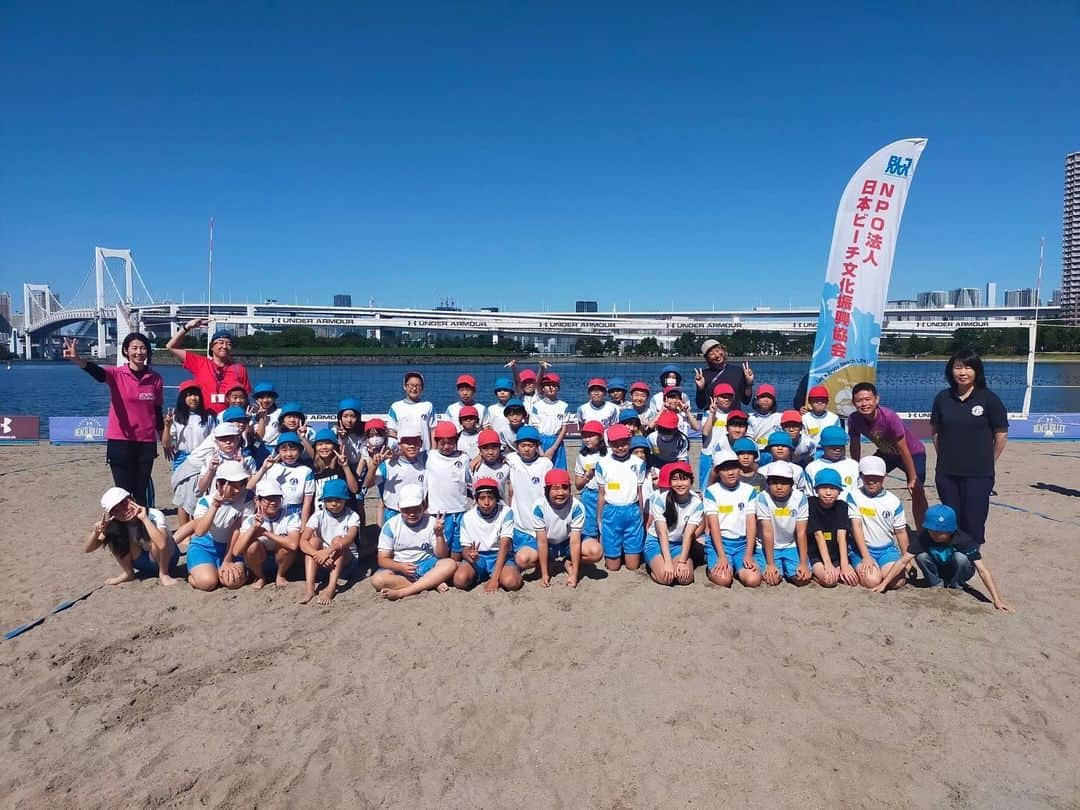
(886, 514)
(536, 479)
(977, 410)
(459, 464)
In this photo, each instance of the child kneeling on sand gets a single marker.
(329, 540)
(487, 531)
(270, 530)
(138, 538)
(946, 556)
(215, 524)
(413, 555)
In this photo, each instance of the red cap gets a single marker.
(485, 483)
(791, 416)
(618, 433)
(373, 424)
(189, 384)
(640, 386)
(735, 413)
(467, 379)
(672, 389)
(468, 410)
(445, 430)
(597, 382)
(593, 426)
(664, 481)
(723, 388)
(488, 436)
(526, 375)
(552, 377)
(818, 392)
(766, 390)
(555, 477)
(669, 420)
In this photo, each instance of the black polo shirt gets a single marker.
(732, 374)
(965, 431)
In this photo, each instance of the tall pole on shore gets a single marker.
(1033, 332)
(210, 285)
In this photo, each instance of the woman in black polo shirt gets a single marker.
(970, 427)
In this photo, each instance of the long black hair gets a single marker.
(971, 359)
(182, 412)
(671, 506)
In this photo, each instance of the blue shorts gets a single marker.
(485, 565)
(559, 551)
(422, 567)
(145, 564)
(882, 555)
(623, 531)
(546, 442)
(787, 560)
(202, 550)
(452, 531)
(735, 550)
(653, 550)
(591, 530)
(523, 540)
(893, 461)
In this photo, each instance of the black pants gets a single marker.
(131, 464)
(969, 496)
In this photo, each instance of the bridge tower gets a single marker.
(100, 271)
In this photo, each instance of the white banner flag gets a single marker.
(857, 276)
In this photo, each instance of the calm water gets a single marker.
(60, 389)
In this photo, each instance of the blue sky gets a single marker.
(525, 155)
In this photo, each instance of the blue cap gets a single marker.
(326, 435)
(265, 388)
(289, 437)
(828, 478)
(527, 433)
(350, 404)
(292, 407)
(833, 436)
(503, 384)
(780, 439)
(940, 518)
(744, 445)
(219, 334)
(626, 414)
(234, 413)
(670, 369)
(513, 403)
(335, 488)
(617, 384)
(640, 442)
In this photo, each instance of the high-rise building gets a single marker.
(5, 307)
(965, 297)
(1021, 298)
(342, 300)
(584, 306)
(1055, 298)
(991, 294)
(932, 299)
(1070, 242)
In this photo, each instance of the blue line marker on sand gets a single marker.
(18, 631)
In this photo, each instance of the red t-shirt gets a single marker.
(214, 380)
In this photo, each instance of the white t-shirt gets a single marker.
(448, 481)
(246, 461)
(548, 417)
(881, 516)
(620, 478)
(280, 525)
(656, 403)
(584, 463)
(419, 416)
(500, 474)
(783, 516)
(454, 409)
(731, 506)
(272, 431)
(408, 544)
(485, 532)
(558, 523)
(296, 481)
(227, 518)
(528, 483)
(607, 414)
(847, 467)
(329, 527)
(690, 513)
(494, 418)
(760, 426)
(813, 425)
(395, 473)
(185, 438)
(469, 444)
(718, 439)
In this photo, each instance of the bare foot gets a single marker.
(281, 582)
(166, 580)
(442, 587)
(120, 578)
(389, 593)
(309, 594)
(258, 584)
(326, 597)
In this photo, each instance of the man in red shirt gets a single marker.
(216, 374)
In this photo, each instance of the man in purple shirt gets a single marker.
(897, 446)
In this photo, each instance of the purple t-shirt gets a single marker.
(886, 431)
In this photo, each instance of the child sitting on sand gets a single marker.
(557, 521)
(413, 555)
(329, 540)
(487, 532)
(217, 520)
(676, 514)
(878, 527)
(270, 530)
(782, 513)
(138, 538)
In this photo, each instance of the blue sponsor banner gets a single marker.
(1043, 426)
(77, 429)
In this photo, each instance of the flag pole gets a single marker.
(210, 285)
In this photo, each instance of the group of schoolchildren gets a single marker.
(479, 495)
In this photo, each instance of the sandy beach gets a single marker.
(620, 694)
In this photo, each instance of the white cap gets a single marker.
(779, 469)
(872, 465)
(268, 488)
(231, 471)
(411, 495)
(113, 497)
(227, 429)
(724, 457)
